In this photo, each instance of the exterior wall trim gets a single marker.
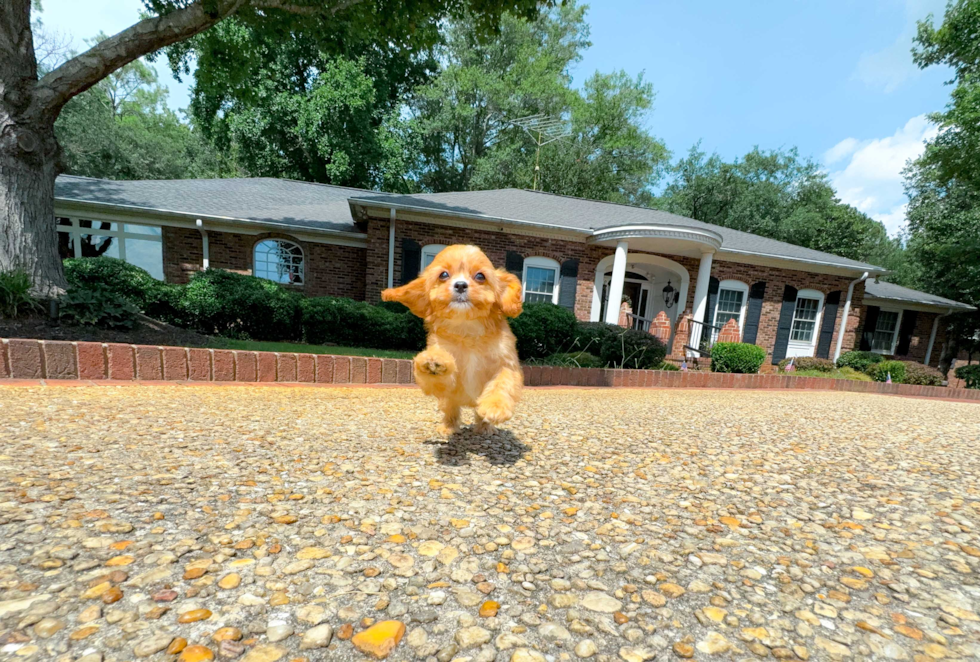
(912, 305)
(380, 213)
(627, 232)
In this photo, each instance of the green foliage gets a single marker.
(97, 306)
(807, 363)
(229, 304)
(880, 371)
(860, 361)
(339, 321)
(737, 357)
(631, 348)
(669, 367)
(970, 374)
(921, 374)
(15, 294)
(543, 329)
(572, 360)
(121, 277)
(856, 375)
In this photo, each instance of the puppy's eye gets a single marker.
(479, 277)
(444, 275)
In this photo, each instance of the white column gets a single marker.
(205, 251)
(616, 284)
(391, 250)
(701, 297)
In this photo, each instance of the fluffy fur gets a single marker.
(470, 359)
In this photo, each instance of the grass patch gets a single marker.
(841, 373)
(300, 348)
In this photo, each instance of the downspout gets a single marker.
(204, 243)
(932, 334)
(847, 310)
(391, 249)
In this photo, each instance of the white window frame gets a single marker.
(302, 264)
(898, 325)
(76, 232)
(798, 347)
(430, 251)
(736, 286)
(541, 263)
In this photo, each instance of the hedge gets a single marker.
(737, 357)
(340, 321)
(921, 374)
(970, 374)
(881, 371)
(543, 329)
(807, 363)
(860, 361)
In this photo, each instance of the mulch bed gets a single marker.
(146, 332)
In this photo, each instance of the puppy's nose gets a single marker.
(460, 286)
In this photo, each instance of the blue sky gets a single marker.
(831, 77)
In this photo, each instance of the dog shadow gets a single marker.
(500, 449)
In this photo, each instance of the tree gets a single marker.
(463, 118)
(775, 194)
(943, 184)
(31, 103)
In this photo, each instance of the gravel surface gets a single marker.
(264, 524)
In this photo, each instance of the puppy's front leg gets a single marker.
(435, 371)
(496, 403)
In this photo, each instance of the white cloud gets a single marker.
(869, 175)
(887, 68)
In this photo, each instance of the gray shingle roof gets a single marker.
(548, 209)
(885, 290)
(260, 199)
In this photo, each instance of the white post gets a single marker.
(391, 250)
(616, 283)
(701, 297)
(847, 311)
(932, 336)
(204, 244)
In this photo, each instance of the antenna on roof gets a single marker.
(543, 130)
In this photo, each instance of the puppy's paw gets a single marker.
(433, 367)
(434, 364)
(484, 428)
(447, 429)
(494, 410)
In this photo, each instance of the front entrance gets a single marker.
(636, 290)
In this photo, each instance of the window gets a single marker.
(886, 329)
(141, 245)
(279, 261)
(429, 254)
(732, 298)
(805, 320)
(540, 280)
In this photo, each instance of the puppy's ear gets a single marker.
(508, 293)
(415, 296)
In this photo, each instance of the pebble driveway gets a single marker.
(266, 524)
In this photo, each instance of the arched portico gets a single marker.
(651, 273)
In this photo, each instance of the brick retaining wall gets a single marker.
(53, 359)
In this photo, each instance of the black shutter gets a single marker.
(905, 332)
(709, 309)
(514, 263)
(829, 322)
(411, 260)
(785, 325)
(870, 322)
(753, 312)
(569, 284)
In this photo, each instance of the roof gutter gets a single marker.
(847, 310)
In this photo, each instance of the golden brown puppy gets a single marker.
(470, 359)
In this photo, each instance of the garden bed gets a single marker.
(146, 331)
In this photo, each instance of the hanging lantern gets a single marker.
(670, 296)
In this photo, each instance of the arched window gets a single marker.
(733, 295)
(429, 253)
(280, 261)
(540, 280)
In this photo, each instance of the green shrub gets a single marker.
(15, 294)
(970, 374)
(880, 371)
(807, 363)
(543, 329)
(114, 275)
(224, 303)
(667, 366)
(572, 360)
(631, 348)
(588, 336)
(340, 321)
(921, 374)
(737, 357)
(859, 360)
(98, 306)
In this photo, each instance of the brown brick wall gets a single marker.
(331, 270)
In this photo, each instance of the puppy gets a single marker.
(470, 359)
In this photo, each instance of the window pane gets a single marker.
(802, 331)
(64, 223)
(279, 261)
(807, 309)
(805, 320)
(66, 245)
(97, 246)
(142, 229)
(884, 334)
(99, 225)
(427, 259)
(531, 297)
(540, 280)
(146, 255)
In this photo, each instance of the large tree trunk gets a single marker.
(28, 235)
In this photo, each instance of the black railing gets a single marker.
(702, 338)
(639, 323)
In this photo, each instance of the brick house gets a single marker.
(586, 255)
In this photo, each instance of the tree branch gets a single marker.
(82, 72)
